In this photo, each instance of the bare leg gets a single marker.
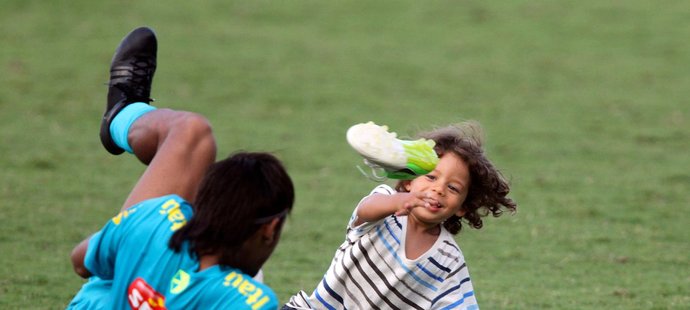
(178, 148)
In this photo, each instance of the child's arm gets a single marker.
(379, 206)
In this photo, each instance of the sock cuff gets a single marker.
(119, 127)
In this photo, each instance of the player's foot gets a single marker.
(131, 74)
(399, 159)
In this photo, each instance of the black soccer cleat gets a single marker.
(131, 74)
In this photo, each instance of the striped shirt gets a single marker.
(370, 271)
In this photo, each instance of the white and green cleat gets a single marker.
(399, 159)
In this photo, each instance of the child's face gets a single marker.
(446, 188)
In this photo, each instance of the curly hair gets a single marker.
(488, 188)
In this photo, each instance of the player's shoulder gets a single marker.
(165, 203)
(162, 205)
(219, 287)
(146, 213)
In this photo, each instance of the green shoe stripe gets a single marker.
(421, 156)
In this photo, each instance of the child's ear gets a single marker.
(461, 212)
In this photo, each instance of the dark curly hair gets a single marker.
(488, 188)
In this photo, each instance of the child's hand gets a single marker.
(413, 200)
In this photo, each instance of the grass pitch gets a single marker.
(584, 104)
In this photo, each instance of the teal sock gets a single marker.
(119, 127)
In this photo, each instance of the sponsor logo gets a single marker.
(255, 296)
(171, 208)
(142, 296)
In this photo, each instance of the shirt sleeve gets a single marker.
(361, 229)
(103, 245)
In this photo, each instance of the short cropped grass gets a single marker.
(584, 104)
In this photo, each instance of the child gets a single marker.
(192, 233)
(399, 251)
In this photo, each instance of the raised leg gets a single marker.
(178, 148)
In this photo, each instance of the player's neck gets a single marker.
(206, 261)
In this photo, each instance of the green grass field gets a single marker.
(584, 103)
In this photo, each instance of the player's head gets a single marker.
(487, 189)
(240, 207)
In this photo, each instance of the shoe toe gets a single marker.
(140, 42)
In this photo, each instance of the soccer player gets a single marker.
(192, 232)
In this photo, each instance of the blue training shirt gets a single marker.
(150, 275)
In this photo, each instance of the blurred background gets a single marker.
(584, 105)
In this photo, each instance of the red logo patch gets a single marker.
(142, 296)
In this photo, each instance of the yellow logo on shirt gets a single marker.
(175, 215)
(255, 296)
(179, 282)
(122, 215)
